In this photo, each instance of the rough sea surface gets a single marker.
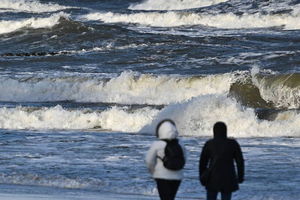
(83, 84)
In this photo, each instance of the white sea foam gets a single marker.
(60, 118)
(35, 23)
(128, 88)
(226, 21)
(30, 6)
(197, 117)
(107, 47)
(34, 179)
(173, 4)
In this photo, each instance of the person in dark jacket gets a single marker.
(219, 155)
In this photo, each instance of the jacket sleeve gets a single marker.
(151, 157)
(240, 163)
(204, 158)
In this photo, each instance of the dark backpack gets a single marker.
(174, 158)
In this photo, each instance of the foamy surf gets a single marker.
(35, 179)
(224, 21)
(8, 26)
(173, 4)
(32, 6)
(193, 118)
(59, 118)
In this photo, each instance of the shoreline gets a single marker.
(83, 196)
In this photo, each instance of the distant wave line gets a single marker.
(65, 52)
(43, 53)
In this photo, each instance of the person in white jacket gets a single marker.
(167, 180)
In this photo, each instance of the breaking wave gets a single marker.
(173, 4)
(282, 90)
(32, 6)
(289, 21)
(195, 103)
(256, 90)
(197, 117)
(35, 23)
(193, 118)
(127, 88)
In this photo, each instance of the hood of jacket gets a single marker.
(220, 130)
(167, 131)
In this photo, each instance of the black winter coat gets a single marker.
(223, 152)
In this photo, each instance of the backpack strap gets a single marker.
(166, 141)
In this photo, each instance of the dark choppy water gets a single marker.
(82, 82)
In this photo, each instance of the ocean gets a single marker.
(83, 84)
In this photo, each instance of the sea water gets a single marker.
(84, 83)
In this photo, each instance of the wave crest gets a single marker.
(224, 21)
(127, 88)
(283, 91)
(173, 4)
(30, 6)
(35, 23)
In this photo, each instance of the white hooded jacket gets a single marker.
(157, 150)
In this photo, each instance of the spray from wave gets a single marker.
(282, 90)
(197, 117)
(173, 4)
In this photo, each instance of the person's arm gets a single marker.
(239, 162)
(151, 157)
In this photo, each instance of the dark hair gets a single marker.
(161, 122)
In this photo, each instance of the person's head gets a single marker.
(166, 129)
(220, 130)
